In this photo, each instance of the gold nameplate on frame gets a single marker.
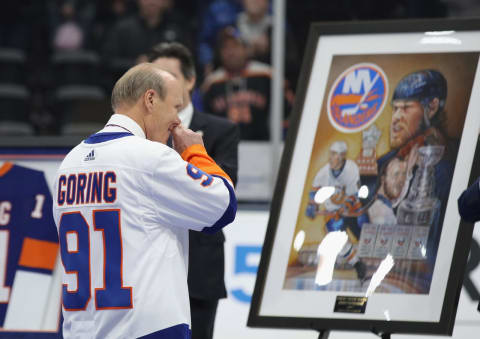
(350, 304)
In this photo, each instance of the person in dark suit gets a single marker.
(220, 136)
(469, 203)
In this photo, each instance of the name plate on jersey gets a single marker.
(350, 304)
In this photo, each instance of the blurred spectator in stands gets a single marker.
(193, 8)
(240, 88)
(130, 39)
(299, 16)
(255, 26)
(15, 25)
(218, 15)
(70, 22)
(109, 13)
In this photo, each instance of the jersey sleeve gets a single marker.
(193, 192)
(40, 244)
(197, 156)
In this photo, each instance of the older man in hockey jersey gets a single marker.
(123, 205)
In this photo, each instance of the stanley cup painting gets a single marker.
(380, 173)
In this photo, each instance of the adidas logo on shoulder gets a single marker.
(90, 156)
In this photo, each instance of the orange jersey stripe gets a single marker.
(38, 254)
(197, 156)
(5, 168)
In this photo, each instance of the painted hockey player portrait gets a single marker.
(364, 231)
(380, 172)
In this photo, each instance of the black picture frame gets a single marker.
(446, 321)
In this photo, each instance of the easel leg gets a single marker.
(381, 334)
(323, 334)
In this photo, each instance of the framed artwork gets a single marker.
(364, 224)
(30, 286)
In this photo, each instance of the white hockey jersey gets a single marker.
(348, 180)
(123, 207)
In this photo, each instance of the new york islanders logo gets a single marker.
(357, 97)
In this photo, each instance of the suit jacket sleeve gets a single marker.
(225, 151)
(469, 203)
(206, 253)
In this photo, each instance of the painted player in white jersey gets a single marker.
(340, 173)
(123, 205)
(341, 176)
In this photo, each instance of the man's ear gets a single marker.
(149, 99)
(433, 107)
(190, 83)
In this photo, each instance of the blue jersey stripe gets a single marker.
(180, 331)
(35, 270)
(102, 137)
(229, 214)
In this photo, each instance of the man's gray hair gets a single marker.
(135, 82)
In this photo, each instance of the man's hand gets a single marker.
(184, 138)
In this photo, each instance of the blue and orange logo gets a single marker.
(357, 97)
